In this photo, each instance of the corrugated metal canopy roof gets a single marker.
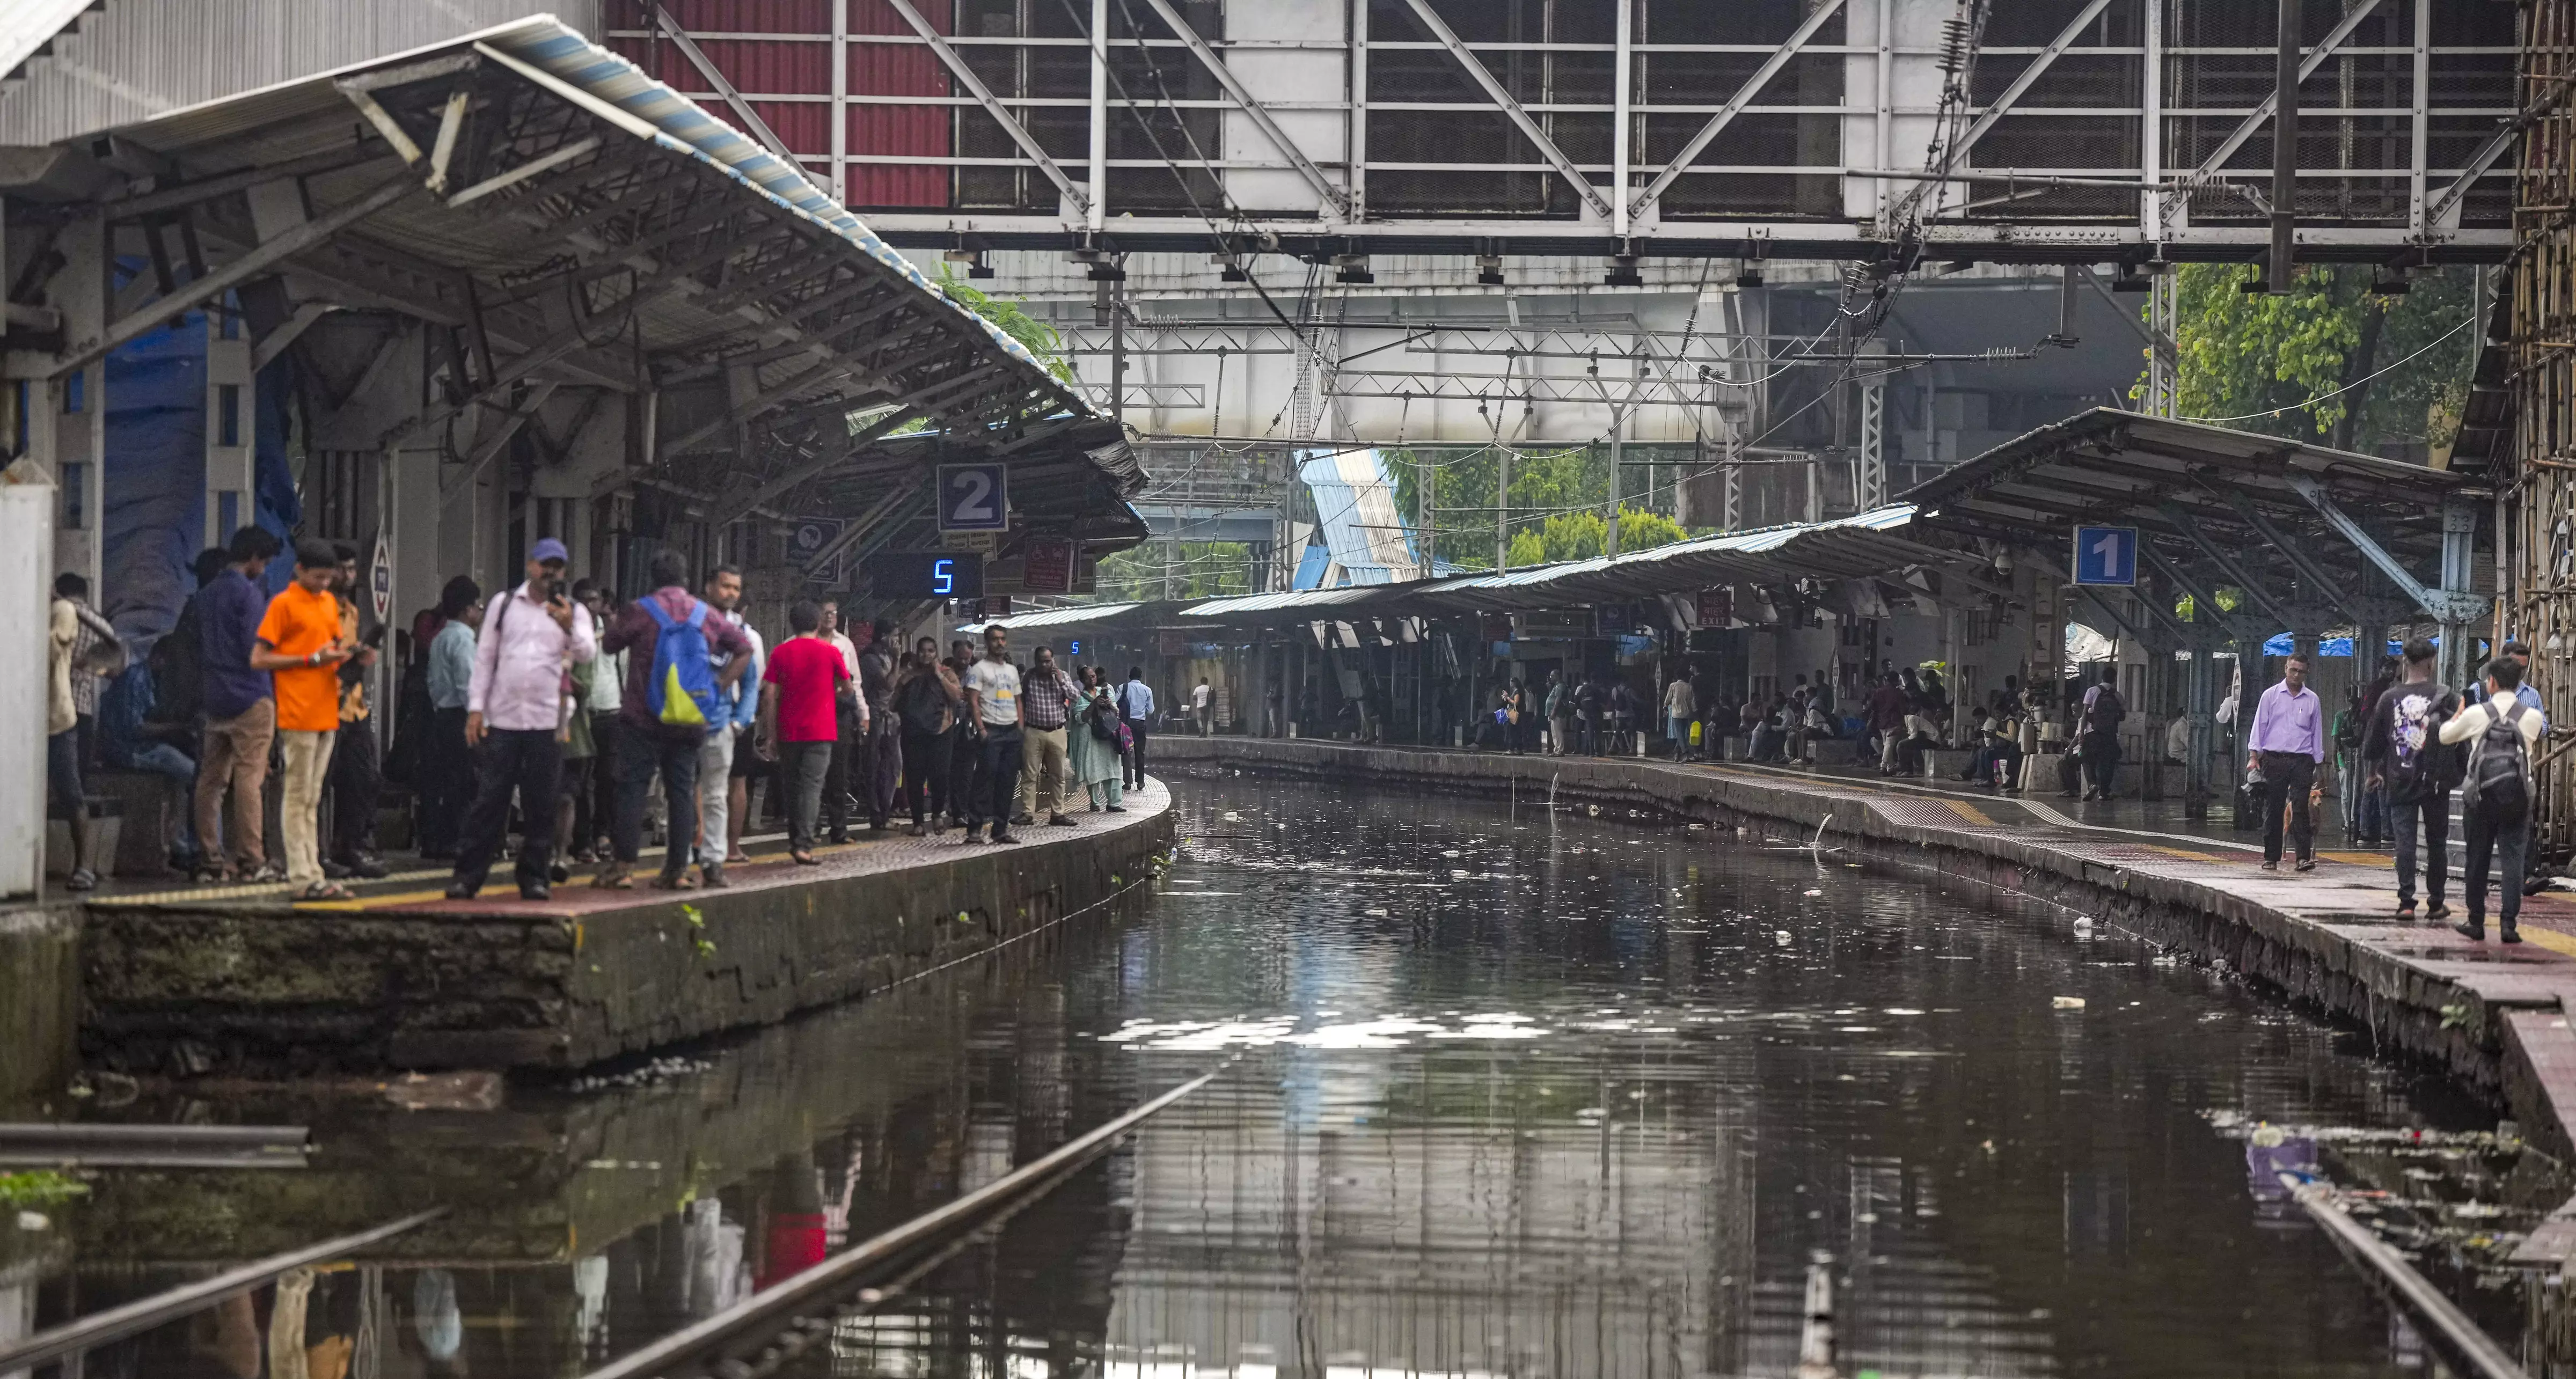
(1867, 544)
(27, 26)
(2108, 467)
(589, 226)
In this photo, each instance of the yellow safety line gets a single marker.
(1971, 813)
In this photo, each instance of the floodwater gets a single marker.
(1505, 1093)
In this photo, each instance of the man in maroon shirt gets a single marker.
(647, 744)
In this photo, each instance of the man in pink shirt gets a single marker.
(515, 710)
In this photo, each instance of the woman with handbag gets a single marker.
(1095, 756)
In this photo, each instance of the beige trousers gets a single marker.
(1042, 753)
(308, 762)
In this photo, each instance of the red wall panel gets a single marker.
(758, 67)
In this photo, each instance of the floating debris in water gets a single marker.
(2066, 1003)
(658, 1070)
(1781, 937)
(1374, 914)
(1815, 892)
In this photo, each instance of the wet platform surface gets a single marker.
(1517, 1093)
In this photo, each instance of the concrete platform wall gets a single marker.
(279, 990)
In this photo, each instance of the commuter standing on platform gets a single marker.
(966, 751)
(738, 696)
(2406, 763)
(2286, 746)
(1047, 698)
(515, 712)
(299, 645)
(1681, 705)
(1201, 712)
(1091, 743)
(667, 707)
(929, 700)
(2501, 734)
(357, 777)
(993, 699)
(848, 722)
(241, 717)
(1136, 702)
(588, 840)
(801, 690)
(445, 775)
(64, 796)
(880, 723)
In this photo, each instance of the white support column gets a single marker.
(1355, 176)
(1734, 517)
(2421, 130)
(1884, 102)
(1099, 113)
(26, 588)
(1622, 84)
(231, 501)
(2151, 130)
(840, 101)
(68, 414)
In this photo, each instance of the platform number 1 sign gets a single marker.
(2106, 555)
(972, 498)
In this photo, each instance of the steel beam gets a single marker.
(965, 76)
(2225, 560)
(2446, 605)
(783, 484)
(1484, 77)
(1332, 196)
(268, 254)
(1718, 122)
(2308, 66)
(490, 443)
(752, 124)
(2326, 585)
(534, 167)
(2030, 75)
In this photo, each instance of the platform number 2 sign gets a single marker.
(2106, 555)
(972, 498)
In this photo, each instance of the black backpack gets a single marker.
(2499, 769)
(2420, 767)
(2107, 711)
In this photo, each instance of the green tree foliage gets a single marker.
(1203, 570)
(1577, 536)
(1012, 320)
(1545, 485)
(2272, 360)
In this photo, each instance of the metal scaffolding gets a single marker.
(2536, 495)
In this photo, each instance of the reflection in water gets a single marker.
(1519, 1096)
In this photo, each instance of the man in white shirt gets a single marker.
(2496, 794)
(853, 726)
(514, 718)
(1199, 710)
(1136, 704)
(719, 774)
(993, 716)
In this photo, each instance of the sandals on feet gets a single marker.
(326, 890)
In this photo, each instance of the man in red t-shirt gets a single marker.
(801, 692)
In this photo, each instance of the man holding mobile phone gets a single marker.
(514, 707)
(357, 778)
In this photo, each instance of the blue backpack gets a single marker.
(682, 689)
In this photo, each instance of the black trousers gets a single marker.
(2102, 763)
(639, 755)
(997, 779)
(2503, 845)
(836, 781)
(925, 773)
(445, 782)
(2435, 811)
(605, 735)
(580, 789)
(1136, 755)
(528, 762)
(357, 781)
(2286, 779)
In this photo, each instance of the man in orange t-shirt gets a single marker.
(301, 648)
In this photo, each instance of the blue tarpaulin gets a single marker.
(2280, 645)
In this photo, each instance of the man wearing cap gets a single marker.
(515, 717)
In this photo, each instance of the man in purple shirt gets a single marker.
(2288, 741)
(241, 715)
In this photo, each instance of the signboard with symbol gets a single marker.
(1048, 565)
(973, 497)
(809, 537)
(380, 578)
(2106, 555)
